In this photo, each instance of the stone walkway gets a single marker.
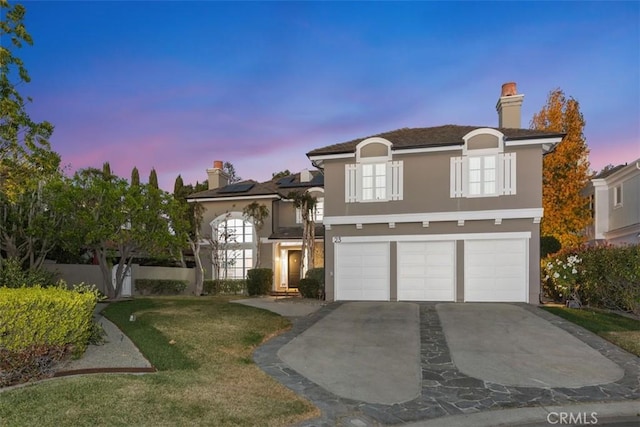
(445, 390)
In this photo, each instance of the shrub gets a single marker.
(600, 276)
(225, 286)
(316, 273)
(160, 286)
(45, 316)
(309, 287)
(14, 276)
(34, 362)
(259, 281)
(549, 245)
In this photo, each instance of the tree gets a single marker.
(256, 213)
(565, 170)
(189, 216)
(135, 176)
(280, 174)
(29, 169)
(117, 221)
(153, 178)
(307, 205)
(230, 171)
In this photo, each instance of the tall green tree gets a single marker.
(307, 204)
(135, 176)
(29, 168)
(153, 178)
(230, 171)
(256, 213)
(118, 221)
(565, 170)
(189, 218)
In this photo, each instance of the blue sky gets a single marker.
(177, 85)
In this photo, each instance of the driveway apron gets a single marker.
(363, 351)
(507, 345)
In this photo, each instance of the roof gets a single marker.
(439, 136)
(607, 172)
(277, 187)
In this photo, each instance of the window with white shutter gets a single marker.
(483, 170)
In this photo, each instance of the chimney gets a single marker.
(305, 175)
(509, 106)
(216, 177)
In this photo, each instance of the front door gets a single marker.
(293, 267)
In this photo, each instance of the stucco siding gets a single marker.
(427, 187)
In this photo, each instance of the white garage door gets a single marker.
(426, 271)
(496, 270)
(362, 271)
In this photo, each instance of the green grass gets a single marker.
(202, 348)
(620, 330)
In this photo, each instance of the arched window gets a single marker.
(235, 243)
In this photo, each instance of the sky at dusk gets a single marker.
(177, 85)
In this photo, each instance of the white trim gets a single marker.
(540, 141)
(221, 199)
(374, 140)
(483, 131)
(436, 216)
(435, 237)
(333, 156)
(399, 150)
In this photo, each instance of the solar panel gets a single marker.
(286, 180)
(237, 188)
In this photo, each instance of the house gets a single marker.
(447, 213)
(614, 199)
(231, 240)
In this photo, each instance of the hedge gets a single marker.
(46, 316)
(259, 281)
(600, 276)
(225, 286)
(160, 286)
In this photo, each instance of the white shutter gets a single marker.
(457, 177)
(508, 173)
(396, 177)
(350, 195)
(298, 216)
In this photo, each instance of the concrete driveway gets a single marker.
(382, 363)
(508, 345)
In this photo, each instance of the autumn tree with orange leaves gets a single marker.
(565, 170)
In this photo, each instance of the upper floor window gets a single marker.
(375, 177)
(617, 196)
(374, 181)
(483, 170)
(318, 212)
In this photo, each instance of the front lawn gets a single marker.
(622, 331)
(202, 348)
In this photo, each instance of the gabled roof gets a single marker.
(277, 187)
(608, 172)
(439, 136)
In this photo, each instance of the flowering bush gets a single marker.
(600, 276)
(562, 273)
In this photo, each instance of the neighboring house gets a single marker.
(234, 239)
(448, 213)
(614, 198)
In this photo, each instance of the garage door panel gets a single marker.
(426, 271)
(496, 270)
(362, 271)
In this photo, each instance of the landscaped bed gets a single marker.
(202, 349)
(620, 330)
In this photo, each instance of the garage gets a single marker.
(362, 271)
(426, 271)
(495, 270)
